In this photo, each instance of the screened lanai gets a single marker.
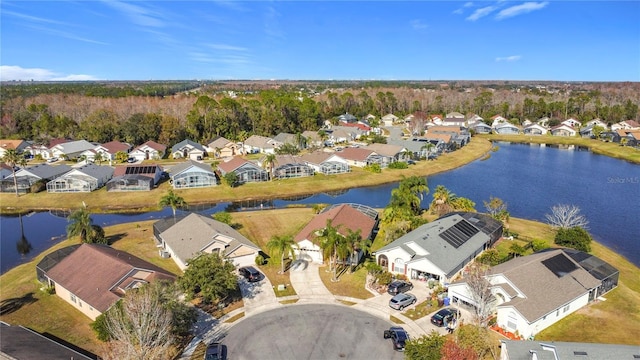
(7, 185)
(194, 178)
(292, 171)
(74, 183)
(130, 183)
(246, 174)
(334, 167)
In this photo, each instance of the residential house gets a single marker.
(389, 120)
(436, 118)
(192, 174)
(150, 150)
(71, 150)
(534, 129)
(313, 139)
(563, 130)
(343, 217)
(555, 350)
(187, 149)
(28, 176)
(364, 128)
(441, 142)
(543, 121)
(259, 144)
(459, 135)
(246, 171)
(531, 293)
(597, 122)
(341, 134)
(347, 118)
(386, 153)
(185, 237)
(453, 121)
(17, 145)
(86, 178)
(358, 157)
(110, 149)
(38, 149)
(626, 125)
(454, 115)
(506, 129)
(481, 128)
(288, 166)
(135, 177)
(440, 249)
(418, 149)
(93, 277)
(474, 119)
(587, 132)
(286, 138)
(326, 163)
(6, 171)
(497, 120)
(571, 122)
(526, 122)
(19, 342)
(221, 147)
(610, 136)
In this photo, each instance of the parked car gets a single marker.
(52, 160)
(398, 336)
(215, 351)
(399, 286)
(443, 316)
(131, 160)
(250, 273)
(402, 300)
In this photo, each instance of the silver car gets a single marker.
(402, 300)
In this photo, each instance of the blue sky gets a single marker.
(320, 40)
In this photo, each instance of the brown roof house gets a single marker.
(186, 237)
(245, 170)
(531, 293)
(221, 147)
(358, 157)
(344, 217)
(93, 277)
(6, 144)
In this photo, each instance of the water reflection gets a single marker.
(23, 246)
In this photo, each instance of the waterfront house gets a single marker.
(150, 150)
(246, 171)
(563, 130)
(440, 249)
(386, 153)
(358, 157)
(192, 174)
(185, 237)
(497, 120)
(481, 128)
(187, 149)
(93, 277)
(534, 129)
(326, 163)
(136, 177)
(28, 176)
(86, 178)
(288, 166)
(531, 293)
(506, 129)
(343, 217)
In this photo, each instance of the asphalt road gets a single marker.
(322, 332)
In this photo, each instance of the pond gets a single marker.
(529, 178)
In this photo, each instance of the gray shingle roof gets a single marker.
(186, 142)
(43, 171)
(187, 164)
(195, 232)
(73, 147)
(19, 342)
(521, 350)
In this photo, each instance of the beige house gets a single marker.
(184, 238)
(92, 277)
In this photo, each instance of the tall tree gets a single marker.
(333, 246)
(268, 163)
(14, 158)
(480, 291)
(426, 347)
(281, 246)
(82, 225)
(566, 216)
(173, 200)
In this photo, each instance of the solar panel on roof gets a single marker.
(135, 170)
(459, 233)
(560, 265)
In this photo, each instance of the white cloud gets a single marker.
(521, 9)
(468, 4)
(459, 11)
(31, 18)
(226, 47)
(418, 24)
(482, 12)
(509, 58)
(137, 14)
(10, 73)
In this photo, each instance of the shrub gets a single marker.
(398, 165)
(384, 278)
(260, 260)
(374, 168)
(575, 238)
(538, 245)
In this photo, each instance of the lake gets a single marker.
(529, 178)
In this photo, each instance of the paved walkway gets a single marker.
(260, 297)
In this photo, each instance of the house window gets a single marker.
(398, 265)
(565, 309)
(73, 298)
(79, 303)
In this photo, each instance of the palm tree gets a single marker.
(282, 245)
(14, 158)
(269, 162)
(81, 224)
(429, 147)
(98, 158)
(333, 246)
(442, 200)
(174, 200)
(355, 243)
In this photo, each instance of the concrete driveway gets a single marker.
(257, 296)
(310, 332)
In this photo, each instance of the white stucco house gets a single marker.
(440, 249)
(531, 293)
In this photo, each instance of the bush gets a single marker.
(374, 168)
(575, 238)
(384, 278)
(538, 245)
(260, 260)
(398, 165)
